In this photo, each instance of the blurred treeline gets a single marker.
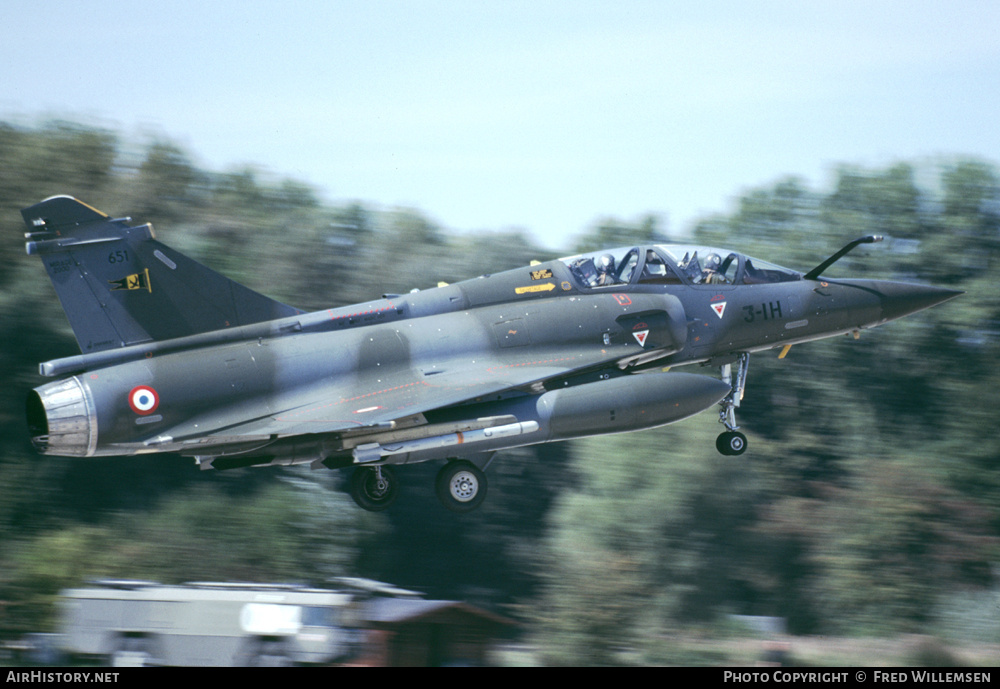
(868, 503)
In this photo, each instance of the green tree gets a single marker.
(609, 233)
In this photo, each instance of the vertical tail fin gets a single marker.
(119, 286)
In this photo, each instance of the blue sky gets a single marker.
(539, 115)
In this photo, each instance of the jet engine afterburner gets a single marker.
(62, 419)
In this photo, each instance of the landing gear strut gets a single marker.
(732, 442)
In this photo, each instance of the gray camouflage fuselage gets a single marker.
(530, 355)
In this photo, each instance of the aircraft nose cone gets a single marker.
(899, 299)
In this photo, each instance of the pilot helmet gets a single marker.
(712, 262)
(606, 263)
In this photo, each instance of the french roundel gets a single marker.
(143, 400)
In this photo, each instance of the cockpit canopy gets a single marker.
(670, 264)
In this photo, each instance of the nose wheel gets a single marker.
(732, 442)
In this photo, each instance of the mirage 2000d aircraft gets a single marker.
(177, 358)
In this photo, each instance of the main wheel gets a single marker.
(461, 486)
(374, 488)
(731, 443)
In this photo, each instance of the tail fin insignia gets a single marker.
(104, 269)
(134, 281)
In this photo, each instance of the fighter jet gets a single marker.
(177, 358)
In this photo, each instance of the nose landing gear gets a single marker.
(732, 442)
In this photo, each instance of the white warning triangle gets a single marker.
(640, 337)
(719, 308)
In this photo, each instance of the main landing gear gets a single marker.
(732, 442)
(461, 486)
(374, 488)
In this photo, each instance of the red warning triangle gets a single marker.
(640, 337)
(719, 308)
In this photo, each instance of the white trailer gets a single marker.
(128, 623)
